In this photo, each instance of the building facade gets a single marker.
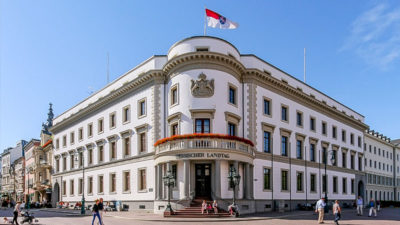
(18, 169)
(396, 168)
(199, 112)
(30, 149)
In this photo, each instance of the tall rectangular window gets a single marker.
(64, 163)
(142, 180)
(57, 143)
(352, 186)
(232, 95)
(90, 156)
(359, 142)
(284, 146)
(312, 183)
(174, 95)
(334, 181)
(334, 130)
(57, 165)
(142, 107)
(113, 183)
(71, 187)
(312, 123)
(267, 107)
(127, 182)
(100, 125)
(323, 128)
(142, 139)
(64, 187)
(64, 140)
(231, 129)
(352, 138)
(101, 154)
(324, 155)
(126, 114)
(312, 152)
(113, 150)
(344, 159)
(112, 120)
(299, 179)
(343, 135)
(299, 119)
(72, 138)
(101, 184)
(202, 126)
(127, 146)
(72, 162)
(334, 157)
(267, 179)
(90, 185)
(352, 161)
(284, 113)
(80, 186)
(299, 149)
(174, 129)
(267, 142)
(360, 164)
(80, 133)
(344, 185)
(284, 180)
(90, 130)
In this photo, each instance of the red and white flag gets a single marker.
(215, 20)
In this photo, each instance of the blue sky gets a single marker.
(56, 51)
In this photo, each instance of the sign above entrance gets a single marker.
(203, 155)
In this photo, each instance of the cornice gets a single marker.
(374, 138)
(152, 75)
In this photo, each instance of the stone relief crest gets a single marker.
(202, 87)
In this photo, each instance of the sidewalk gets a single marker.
(68, 212)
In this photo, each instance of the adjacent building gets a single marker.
(31, 195)
(200, 112)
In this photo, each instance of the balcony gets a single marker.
(204, 143)
(43, 164)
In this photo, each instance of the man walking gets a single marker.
(360, 204)
(336, 212)
(319, 207)
(372, 206)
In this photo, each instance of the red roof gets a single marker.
(203, 135)
(47, 143)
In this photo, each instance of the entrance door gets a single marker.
(203, 180)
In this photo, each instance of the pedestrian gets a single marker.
(319, 207)
(378, 204)
(372, 206)
(360, 206)
(95, 211)
(101, 209)
(337, 212)
(16, 212)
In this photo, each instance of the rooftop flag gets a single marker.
(215, 20)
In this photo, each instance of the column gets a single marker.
(186, 180)
(246, 181)
(217, 175)
(159, 182)
(236, 166)
(168, 191)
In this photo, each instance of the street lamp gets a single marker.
(83, 211)
(169, 180)
(234, 180)
(333, 160)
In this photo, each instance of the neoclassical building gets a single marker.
(198, 111)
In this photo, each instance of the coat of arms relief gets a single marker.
(202, 87)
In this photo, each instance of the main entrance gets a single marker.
(203, 180)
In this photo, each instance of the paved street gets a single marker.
(386, 216)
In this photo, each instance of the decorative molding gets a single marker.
(175, 116)
(211, 112)
(232, 117)
(142, 128)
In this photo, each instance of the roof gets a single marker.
(47, 143)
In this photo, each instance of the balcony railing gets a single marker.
(198, 141)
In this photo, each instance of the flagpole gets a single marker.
(205, 22)
(304, 65)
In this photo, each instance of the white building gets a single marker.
(396, 168)
(204, 85)
(379, 167)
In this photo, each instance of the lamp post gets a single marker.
(333, 160)
(83, 211)
(169, 180)
(234, 180)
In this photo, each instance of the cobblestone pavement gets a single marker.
(387, 216)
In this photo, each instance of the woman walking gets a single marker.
(16, 212)
(336, 212)
(96, 212)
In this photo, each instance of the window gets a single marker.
(71, 162)
(100, 125)
(352, 186)
(334, 181)
(344, 159)
(334, 134)
(352, 138)
(90, 130)
(113, 150)
(80, 133)
(312, 183)
(72, 138)
(174, 95)
(113, 183)
(142, 108)
(64, 163)
(343, 135)
(90, 185)
(112, 120)
(267, 142)
(299, 178)
(232, 95)
(101, 184)
(202, 126)
(267, 107)
(142, 142)
(284, 180)
(324, 155)
(299, 119)
(284, 112)
(202, 49)
(142, 180)
(58, 143)
(127, 182)
(360, 163)
(80, 186)
(64, 140)
(57, 165)
(80, 159)
(312, 152)
(174, 129)
(334, 157)
(323, 128)
(312, 123)
(126, 114)
(359, 141)
(267, 179)
(299, 151)
(231, 129)
(101, 153)
(127, 146)
(324, 183)
(71, 187)
(352, 161)
(64, 188)
(284, 146)
(90, 156)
